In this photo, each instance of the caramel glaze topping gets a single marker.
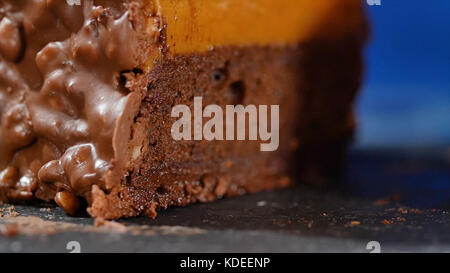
(199, 25)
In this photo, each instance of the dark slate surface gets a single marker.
(380, 189)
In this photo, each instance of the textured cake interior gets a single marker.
(313, 137)
(86, 94)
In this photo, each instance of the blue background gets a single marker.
(405, 99)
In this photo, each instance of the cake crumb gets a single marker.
(386, 222)
(355, 223)
(35, 226)
(111, 225)
(9, 230)
(261, 203)
(403, 211)
(13, 214)
(387, 200)
(8, 212)
(406, 211)
(151, 211)
(381, 202)
(222, 186)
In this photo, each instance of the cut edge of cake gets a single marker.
(92, 120)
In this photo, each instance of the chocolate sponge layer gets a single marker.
(314, 84)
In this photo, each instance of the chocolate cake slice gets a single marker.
(87, 90)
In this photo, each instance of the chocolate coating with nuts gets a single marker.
(62, 102)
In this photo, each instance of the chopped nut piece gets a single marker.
(68, 202)
(137, 152)
(11, 44)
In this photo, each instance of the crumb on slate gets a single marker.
(410, 211)
(9, 230)
(261, 203)
(8, 212)
(387, 200)
(115, 226)
(33, 226)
